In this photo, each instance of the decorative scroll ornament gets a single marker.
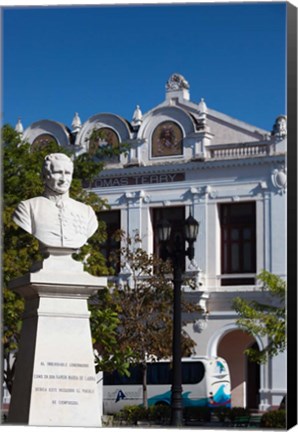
(279, 179)
(209, 190)
(201, 323)
(177, 82)
(144, 196)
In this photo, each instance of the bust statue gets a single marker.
(54, 218)
(280, 127)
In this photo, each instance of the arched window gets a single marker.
(167, 140)
(42, 141)
(106, 140)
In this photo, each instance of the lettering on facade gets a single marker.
(63, 388)
(137, 180)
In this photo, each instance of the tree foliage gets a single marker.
(265, 319)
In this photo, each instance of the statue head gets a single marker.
(57, 173)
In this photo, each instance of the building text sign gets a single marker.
(139, 180)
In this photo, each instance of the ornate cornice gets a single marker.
(183, 166)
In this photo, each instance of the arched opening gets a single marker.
(253, 381)
(106, 140)
(245, 375)
(42, 141)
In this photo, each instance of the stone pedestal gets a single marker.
(55, 381)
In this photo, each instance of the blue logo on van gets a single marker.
(120, 396)
(220, 367)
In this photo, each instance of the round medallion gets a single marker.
(279, 179)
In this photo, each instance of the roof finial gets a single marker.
(19, 127)
(202, 120)
(76, 123)
(137, 117)
(202, 106)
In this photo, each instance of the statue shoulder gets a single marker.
(31, 203)
(22, 215)
(25, 204)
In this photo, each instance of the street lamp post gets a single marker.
(177, 255)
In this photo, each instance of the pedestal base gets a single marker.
(55, 381)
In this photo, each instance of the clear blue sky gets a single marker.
(67, 59)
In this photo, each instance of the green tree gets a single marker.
(22, 180)
(144, 302)
(265, 319)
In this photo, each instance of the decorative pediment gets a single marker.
(162, 114)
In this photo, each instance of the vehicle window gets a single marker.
(159, 373)
(115, 378)
(192, 372)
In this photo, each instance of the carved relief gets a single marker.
(177, 82)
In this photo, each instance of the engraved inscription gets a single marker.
(64, 387)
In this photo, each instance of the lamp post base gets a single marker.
(176, 410)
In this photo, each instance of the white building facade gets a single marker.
(186, 157)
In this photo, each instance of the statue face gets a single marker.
(60, 177)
